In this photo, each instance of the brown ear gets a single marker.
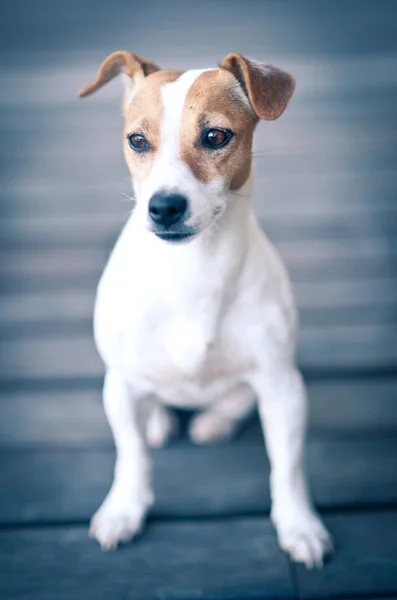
(267, 88)
(133, 65)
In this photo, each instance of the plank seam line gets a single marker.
(358, 596)
(186, 519)
(363, 373)
(293, 573)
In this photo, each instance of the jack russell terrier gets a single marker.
(194, 308)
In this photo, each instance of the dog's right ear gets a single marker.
(268, 89)
(134, 67)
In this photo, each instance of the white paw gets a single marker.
(209, 427)
(162, 425)
(304, 538)
(117, 521)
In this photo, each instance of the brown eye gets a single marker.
(138, 142)
(216, 138)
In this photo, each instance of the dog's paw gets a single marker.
(161, 426)
(304, 538)
(209, 428)
(117, 521)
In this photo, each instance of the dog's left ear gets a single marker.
(133, 66)
(267, 88)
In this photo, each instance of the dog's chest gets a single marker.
(186, 353)
(187, 357)
(171, 322)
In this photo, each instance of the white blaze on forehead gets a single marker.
(173, 97)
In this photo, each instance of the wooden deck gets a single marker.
(326, 184)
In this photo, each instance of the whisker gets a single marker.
(127, 197)
(263, 154)
(216, 219)
(128, 213)
(239, 195)
(262, 150)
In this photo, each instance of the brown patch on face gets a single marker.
(216, 100)
(144, 115)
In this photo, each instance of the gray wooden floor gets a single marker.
(326, 184)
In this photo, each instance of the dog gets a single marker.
(195, 308)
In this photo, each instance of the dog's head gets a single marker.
(188, 135)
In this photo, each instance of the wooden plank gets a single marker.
(316, 272)
(74, 357)
(50, 325)
(349, 407)
(324, 65)
(105, 167)
(317, 175)
(94, 229)
(325, 303)
(81, 117)
(57, 418)
(41, 359)
(232, 559)
(343, 347)
(306, 112)
(77, 231)
(97, 185)
(305, 220)
(60, 485)
(41, 307)
(24, 263)
(351, 316)
(41, 263)
(71, 419)
(306, 262)
(273, 155)
(365, 562)
(352, 293)
(228, 560)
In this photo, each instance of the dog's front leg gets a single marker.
(123, 511)
(282, 408)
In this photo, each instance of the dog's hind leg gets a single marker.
(161, 426)
(223, 418)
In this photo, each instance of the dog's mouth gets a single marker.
(169, 236)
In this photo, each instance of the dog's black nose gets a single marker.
(167, 209)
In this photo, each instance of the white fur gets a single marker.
(207, 324)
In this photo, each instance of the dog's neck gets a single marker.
(203, 272)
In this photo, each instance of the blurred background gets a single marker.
(325, 179)
(325, 192)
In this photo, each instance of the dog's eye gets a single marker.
(138, 142)
(213, 139)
